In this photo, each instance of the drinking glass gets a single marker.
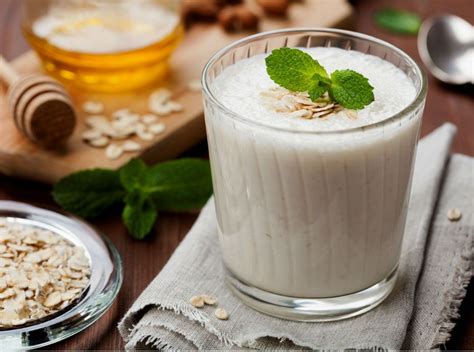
(311, 223)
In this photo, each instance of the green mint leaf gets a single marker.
(135, 197)
(132, 174)
(139, 218)
(351, 89)
(294, 70)
(89, 193)
(322, 79)
(180, 185)
(317, 90)
(319, 86)
(398, 21)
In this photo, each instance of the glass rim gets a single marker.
(410, 107)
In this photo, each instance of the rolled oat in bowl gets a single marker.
(41, 273)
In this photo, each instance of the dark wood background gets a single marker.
(143, 260)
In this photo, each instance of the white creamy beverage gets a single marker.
(306, 208)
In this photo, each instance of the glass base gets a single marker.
(313, 309)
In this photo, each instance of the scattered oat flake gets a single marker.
(174, 106)
(125, 125)
(113, 151)
(93, 107)
(197, 301)
(161, 95)
(97, 122)
(119, 134)
(131, 146)
(221, 314)
(161, 109)
(157, 128)
(91, 134)
(99, 142)
(209, 300)
(144, 135)
(125, 120)
(121, 113)
(149, 119)
(454, 214)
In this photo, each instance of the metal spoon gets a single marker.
(446, 46)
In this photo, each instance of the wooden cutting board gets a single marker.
(19, 157)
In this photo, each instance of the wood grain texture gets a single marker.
(143, 260)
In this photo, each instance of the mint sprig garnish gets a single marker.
(141, 191)
(297, 71)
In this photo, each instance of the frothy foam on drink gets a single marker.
(239, 88)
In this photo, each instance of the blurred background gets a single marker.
(119, 71)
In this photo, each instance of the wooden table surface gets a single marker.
(143, 260)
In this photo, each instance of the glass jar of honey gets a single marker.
(103, 45)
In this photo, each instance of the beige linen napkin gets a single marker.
(435, 268)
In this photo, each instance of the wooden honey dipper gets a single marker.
(40, 106)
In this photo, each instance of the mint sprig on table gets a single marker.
(398, 21)
(297, 71)
(141, 191)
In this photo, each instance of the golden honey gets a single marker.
(106, 49)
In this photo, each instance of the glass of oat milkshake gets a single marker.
(311, 198)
